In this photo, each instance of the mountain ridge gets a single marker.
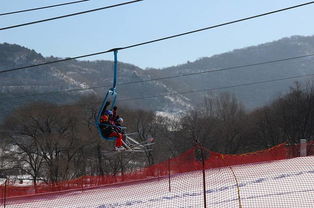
(95, 77)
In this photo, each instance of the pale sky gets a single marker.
(152, 19)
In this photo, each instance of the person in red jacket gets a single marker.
(110, 130)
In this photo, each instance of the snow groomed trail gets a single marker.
(283, 183)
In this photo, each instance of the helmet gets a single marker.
(108, 112)
(120, 120)
(104, 119)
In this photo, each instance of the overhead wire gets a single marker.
(43, 7)
(170, 77)
(68, 15)
(200, 90)
(221, 88)
(157, 40)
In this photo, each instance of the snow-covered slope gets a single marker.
(285, 183)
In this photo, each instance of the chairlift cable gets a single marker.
(44, 7)
(220, 88)
(67, 15)
(157, 40)
(217, 88)
(230, 68)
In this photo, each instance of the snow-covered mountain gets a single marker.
(76, 78)
(73, 79)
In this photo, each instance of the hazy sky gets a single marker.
(152, 19)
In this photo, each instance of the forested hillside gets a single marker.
(173, 89)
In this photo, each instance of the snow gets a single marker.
(175, 98)
(72, 81)
(170, 116)
(284, 183)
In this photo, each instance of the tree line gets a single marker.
(52, 143)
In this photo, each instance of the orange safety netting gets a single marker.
(191, 160)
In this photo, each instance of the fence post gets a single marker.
(122, 168)
(82, 183)
(5, 193)
(238, 187)
(303, 147)
(204, 177)
(169, 178)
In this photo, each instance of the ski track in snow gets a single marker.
(209, 191)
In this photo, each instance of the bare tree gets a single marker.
(217, 123)
(49, 134)
(294, 113)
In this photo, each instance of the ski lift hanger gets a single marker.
(111, 96)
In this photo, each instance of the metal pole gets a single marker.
(115, 69)
(204, 177)
(5, 193)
